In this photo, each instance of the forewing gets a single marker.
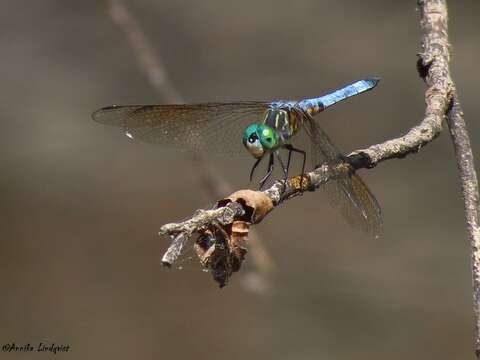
(209, 127)
(348, 193)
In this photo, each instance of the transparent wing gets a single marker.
(348, 193)
(210, 127)
(356, 203)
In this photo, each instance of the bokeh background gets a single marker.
(81, 204)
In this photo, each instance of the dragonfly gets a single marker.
(263, 128)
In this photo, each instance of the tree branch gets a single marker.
(469, 185)
(149, 63)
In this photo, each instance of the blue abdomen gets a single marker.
(314, 106)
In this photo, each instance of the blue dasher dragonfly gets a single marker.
(263, 128)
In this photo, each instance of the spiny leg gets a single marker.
(291, 149)
(269, 171)
(253, 168)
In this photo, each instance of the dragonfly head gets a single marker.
(259, 138)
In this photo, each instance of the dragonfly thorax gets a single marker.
(283, 120)
(259, 139)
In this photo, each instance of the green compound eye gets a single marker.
(252, 142)
(250, 134)
(259, 138)
(268, 137)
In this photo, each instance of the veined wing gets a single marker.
(348, 192)
(211, 127)
(356, 203)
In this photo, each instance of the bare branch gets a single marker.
(255, 205)
(469, 185)
(150, 63)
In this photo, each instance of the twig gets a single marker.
(434, 22)
(256, 204)
(151, 64)
(469, 185)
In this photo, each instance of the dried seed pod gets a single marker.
(239, 232)
(255, 203)
(222, 250)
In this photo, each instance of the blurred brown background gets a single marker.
(81, 204)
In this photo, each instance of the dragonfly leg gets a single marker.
(289, 157)
(253, 168)
(269, 171)
(291, 149)
(284, 168)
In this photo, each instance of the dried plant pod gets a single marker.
(238, 243)
(222, 250)
(255, 203)
(204, 247)
(239, 232)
